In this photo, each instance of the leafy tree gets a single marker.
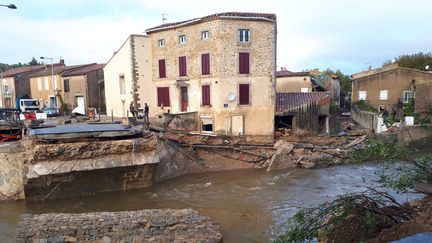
(345, 82)
(415, 61)
(33, 62)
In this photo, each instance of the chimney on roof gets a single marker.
(283, 68)
(62, 62)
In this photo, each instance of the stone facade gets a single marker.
(155, 225)
(393, 79)
(223, 47)
(12, 172)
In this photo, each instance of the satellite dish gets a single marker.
(231, 96)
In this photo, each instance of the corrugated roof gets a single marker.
(15, 71)
(288, 101)
(286, 73)
(226, 15)
(83, 70)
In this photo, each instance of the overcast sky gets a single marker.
(337, 34)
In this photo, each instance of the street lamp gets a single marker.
(52, 76)
(11, 6)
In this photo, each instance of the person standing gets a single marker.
(132, 109)
(146, 113)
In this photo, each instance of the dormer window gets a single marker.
(182, 39)
(205, 35)
(161, 42)
(244, 35)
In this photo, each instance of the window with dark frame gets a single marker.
(162, 69)
(182, 39)
(206, 95)
(244, 94)
(243, 63)
(205, 35)
(182, 66)
(205, 64)
(244, 35)
(122, 84)
(163, 96)
(161, 42)
(66, 85)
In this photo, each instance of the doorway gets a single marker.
(184, 99)
(237, 128)
(53, 102)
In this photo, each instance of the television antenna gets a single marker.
(164, 17)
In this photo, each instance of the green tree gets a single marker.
(415, 61)
(33, 62)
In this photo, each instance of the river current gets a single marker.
(250, 205)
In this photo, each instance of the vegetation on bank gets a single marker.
(361, 216)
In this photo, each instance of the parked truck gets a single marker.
(28, 105)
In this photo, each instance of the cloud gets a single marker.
(311, 33)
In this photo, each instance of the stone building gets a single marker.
(390, 86)
(84, 87)
(15, 84)
(222, 66)
(53, 90)
(128, 77)
(287, 81)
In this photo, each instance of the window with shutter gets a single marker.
(205, 64)
(163, 96)
(182, 66)
(244, 94)
(244, 63)
(206, 95)
(162, 70)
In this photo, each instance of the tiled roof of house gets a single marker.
(58, 69)
(286, 73)
(226, 15)
(15, 71)
(83, 70)
(288, 101)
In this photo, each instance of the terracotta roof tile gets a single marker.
(59, 69)
(288, 101)
(20, 70)
(226, 15)
(286, 73)
(83, 70)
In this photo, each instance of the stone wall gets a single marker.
(12, 171)
(155, 225)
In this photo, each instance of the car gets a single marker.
(51, 111)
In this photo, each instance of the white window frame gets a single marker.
(39, 84)
(405, 97)
(244, 34)
(383, 95)
(161, 43)
(182, 39)
(362, 95)
(46, 83)
(205, 35)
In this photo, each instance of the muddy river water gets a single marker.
(250, 205)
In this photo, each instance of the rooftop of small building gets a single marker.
(27, 69)
(288, 101)
(225, 15)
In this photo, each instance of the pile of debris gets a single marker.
(307, 151)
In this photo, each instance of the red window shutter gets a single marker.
(206, 95)
(244, 94)
(162, 70)
(182, 66)
(244, 63)
(205, 64)
(163, 96)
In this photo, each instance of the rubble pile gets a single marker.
(306, 150)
